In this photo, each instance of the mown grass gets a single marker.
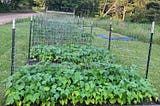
(22, 33)
(130, 53)
(136, 30)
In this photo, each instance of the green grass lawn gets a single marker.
(136, 30)
(130, 53)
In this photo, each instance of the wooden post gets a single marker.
(150, 48)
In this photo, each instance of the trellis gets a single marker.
(54, 29)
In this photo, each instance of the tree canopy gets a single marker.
(125, 10)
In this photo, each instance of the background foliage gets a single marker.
(126, 10)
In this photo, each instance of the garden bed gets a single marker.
(77, 75)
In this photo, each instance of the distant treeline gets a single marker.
(125, 10)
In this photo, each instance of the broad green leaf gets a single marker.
(54, 86)
(120, 101)
(87, 87)
(36, 95)
(21, 86)
(16, 96)
(87, 102)
(29, 97)
(9, 84)
(46, 88)
(56, 96)
(9, 100)
(112, 101)
(76, 93)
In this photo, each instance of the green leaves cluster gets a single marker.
(76, 54)
(65, 82)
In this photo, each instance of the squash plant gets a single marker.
(70, 80)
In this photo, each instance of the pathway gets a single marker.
(8, 17)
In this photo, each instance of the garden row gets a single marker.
(75, 74)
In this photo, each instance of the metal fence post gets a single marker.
(78, 20)
(150, 48)
(13, 47)
(91, 32)
(110, 32)
(83, 23)
(30, 34)
(91, 27)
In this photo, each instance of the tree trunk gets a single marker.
(104, 7)
(124, 13)
(110, 8)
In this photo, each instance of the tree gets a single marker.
(40, 3)
(153, 11)
(111, 8)
(119, 8)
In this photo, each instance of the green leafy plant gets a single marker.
(78, 54)
(66, 82)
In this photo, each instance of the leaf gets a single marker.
(36, 95)
(112, 101)
(77, 76)
(9, 101)
(9, 84)
(59, 88)
(76, 93)
(56, 96)
(44, 82)
(120, 101)
(87, 87)
(54, 86)
(8, 92)
(87, 102)
(16, 96)
(53, 90)
(62, 102)
(29, 97)
(21, 86)
(46, 88)
(19, 103)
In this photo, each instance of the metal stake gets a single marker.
(150, 48)
(83, 23)
(30, 34)
(110, 33)
(13, 47)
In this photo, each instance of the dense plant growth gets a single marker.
(76, 75)
(76, 54)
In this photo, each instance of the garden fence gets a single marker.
(59, 29)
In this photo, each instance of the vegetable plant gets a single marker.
(79, 75)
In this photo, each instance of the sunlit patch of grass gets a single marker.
(136, 30)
